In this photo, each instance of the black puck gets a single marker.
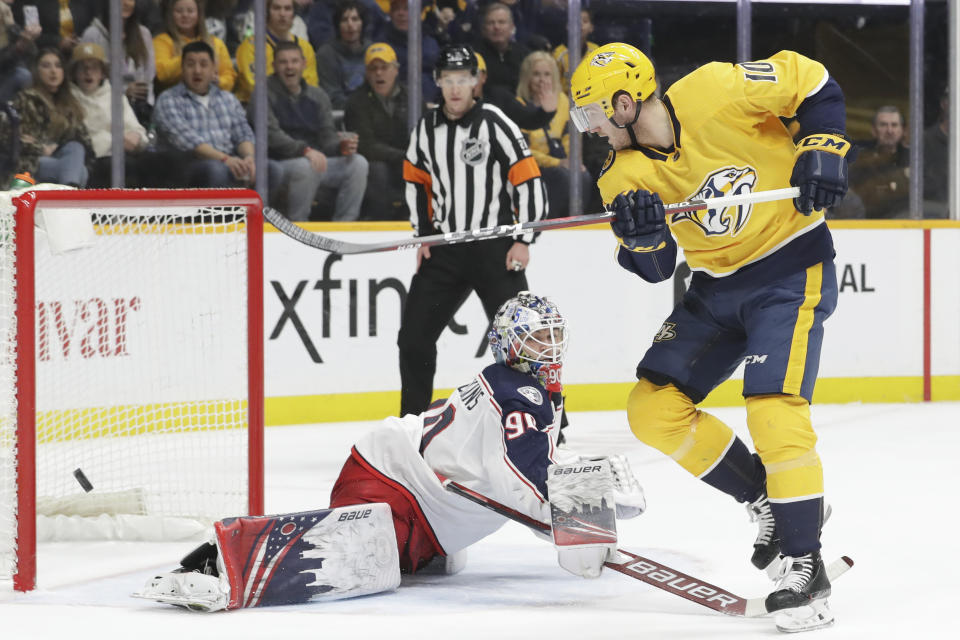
(82, 479)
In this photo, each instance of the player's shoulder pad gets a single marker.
(718, 80)
(621, 172)
(515, 391)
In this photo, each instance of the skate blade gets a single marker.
(773, 569)
(192, 604)
(816, 615)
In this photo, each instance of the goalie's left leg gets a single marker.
(287, 559)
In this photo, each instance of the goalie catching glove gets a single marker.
(820, 171)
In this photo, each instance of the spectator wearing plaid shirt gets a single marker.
(197, 116)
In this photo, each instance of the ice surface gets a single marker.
(888, 474)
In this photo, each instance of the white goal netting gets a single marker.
(141, 373)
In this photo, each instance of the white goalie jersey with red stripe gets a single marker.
(496, 435)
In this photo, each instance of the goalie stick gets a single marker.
(325, 243)
(650, 571)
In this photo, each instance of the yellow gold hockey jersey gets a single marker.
(728, 139)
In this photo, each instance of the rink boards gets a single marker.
(331, 321)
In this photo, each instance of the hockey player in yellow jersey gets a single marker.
(763, 278)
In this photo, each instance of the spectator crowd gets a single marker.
(337, 99)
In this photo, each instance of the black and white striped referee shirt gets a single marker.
(471, 173)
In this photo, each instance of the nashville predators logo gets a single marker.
(602, 59)
(666, 332)
(611, 157)
(729, 181)
(473, 151)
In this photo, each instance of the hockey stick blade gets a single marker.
(650, 571)
(680, 584)
(325, 243)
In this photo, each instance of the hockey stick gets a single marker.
(325, 243)
(650, 571)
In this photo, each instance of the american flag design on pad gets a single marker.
(309, 556)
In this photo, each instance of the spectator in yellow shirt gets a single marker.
(280, 14)
(185, 22)
(562, 56)
(550, 144)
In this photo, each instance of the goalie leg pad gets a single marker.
(583, 517)
(311, 556)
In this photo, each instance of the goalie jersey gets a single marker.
(712, 111)
(497, 435)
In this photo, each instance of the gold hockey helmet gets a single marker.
(602, 74)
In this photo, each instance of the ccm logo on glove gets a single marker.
(820, 171)
(834, 144)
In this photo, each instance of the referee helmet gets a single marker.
(459, 57)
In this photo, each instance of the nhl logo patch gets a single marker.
(473, 151)
(531, 394)
(602, 59)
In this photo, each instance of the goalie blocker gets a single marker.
(286, 559)
(583, 515)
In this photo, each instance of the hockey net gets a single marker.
(130, 366)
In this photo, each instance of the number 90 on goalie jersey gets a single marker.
(583, 515)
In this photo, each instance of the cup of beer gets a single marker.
(348, 142)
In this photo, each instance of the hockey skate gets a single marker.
(191, 590)
(195, 585)
(766, 548)
(448, 565)
(800, 597)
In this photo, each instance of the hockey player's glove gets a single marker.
(820, 171)
(639, 220)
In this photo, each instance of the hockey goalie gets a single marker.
(389, 512)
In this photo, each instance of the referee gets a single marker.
(467, 167)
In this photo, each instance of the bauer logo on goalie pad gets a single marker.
(563, 470)
(355, 515)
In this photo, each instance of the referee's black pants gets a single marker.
(436, 292)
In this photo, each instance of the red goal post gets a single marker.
(132, 351)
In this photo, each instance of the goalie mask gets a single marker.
(530, 335)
